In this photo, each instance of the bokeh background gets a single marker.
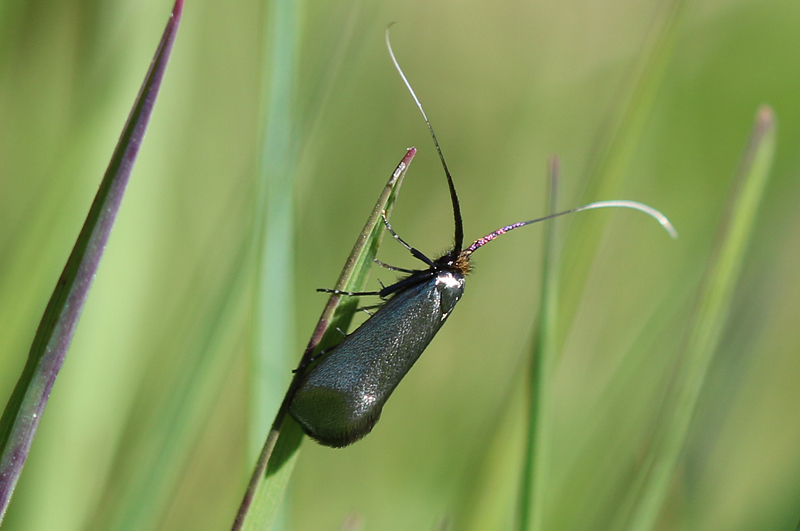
(154, 420)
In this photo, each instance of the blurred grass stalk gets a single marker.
(642, 507)
(705, 329)
(24, 409)
(614, 152)
(273, 323)
(540, 373)
(136, 496)
(273, 318)
(615, 147)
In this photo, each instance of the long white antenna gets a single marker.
(661, 218)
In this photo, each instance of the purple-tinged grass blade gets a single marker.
(24, 409)
(276, 462)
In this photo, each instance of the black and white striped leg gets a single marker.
(414, 252)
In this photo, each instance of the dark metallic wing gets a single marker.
(340, 399)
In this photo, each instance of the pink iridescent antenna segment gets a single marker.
(650, 211)
(480, 242)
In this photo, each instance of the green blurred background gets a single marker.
(148, 424)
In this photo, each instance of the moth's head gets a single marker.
(455, 260)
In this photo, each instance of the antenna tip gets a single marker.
(386, 31)
(671, 230)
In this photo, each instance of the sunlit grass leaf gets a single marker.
(273, 334)
(24, 409)
(706, 327)
(152, 456)
(275, 465)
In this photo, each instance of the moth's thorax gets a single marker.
(450, 285)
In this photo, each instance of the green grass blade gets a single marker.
(711, 311)
(153, 453)
(24, 409)
(273, 333)
(275, 464)
(541, 366)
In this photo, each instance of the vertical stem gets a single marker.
(540, 371)
(273, 333)
(708, 322)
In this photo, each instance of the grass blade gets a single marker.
(275, 464)
(541, 366)
(153, 453)
(273, 333)
(711, 310)
(24, 409)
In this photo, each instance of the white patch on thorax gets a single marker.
(449, 280)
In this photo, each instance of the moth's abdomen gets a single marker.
(334, 417)
(341, 398)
